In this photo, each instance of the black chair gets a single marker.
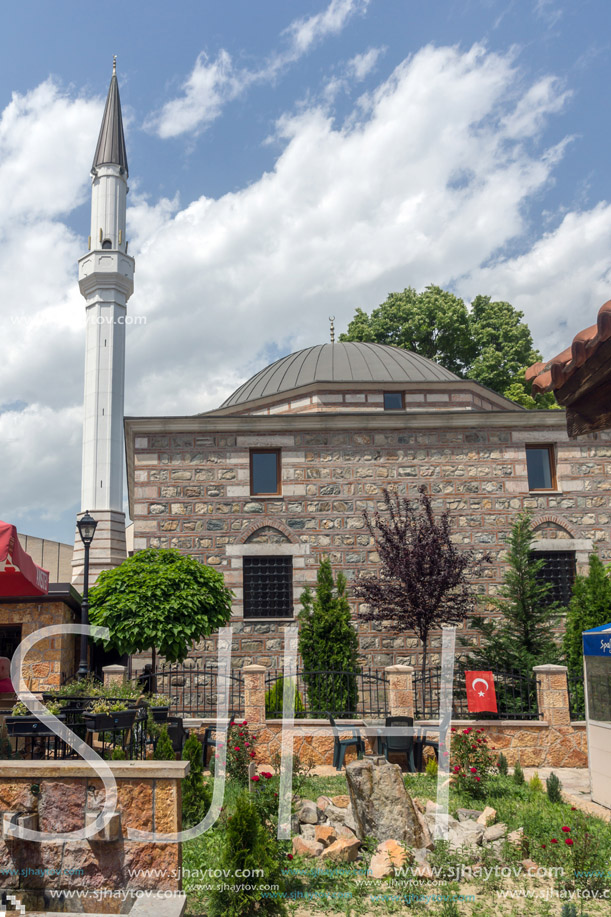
(208, 742)
(340, 745)
(399, 744)
(424, 742)
(177, 733)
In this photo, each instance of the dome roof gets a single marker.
(344, 361)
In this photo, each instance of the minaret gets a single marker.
(106, 280)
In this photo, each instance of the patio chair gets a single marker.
(340, 745)
(177, 733)
(390, 744)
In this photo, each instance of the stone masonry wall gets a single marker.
(52, 659)
(191, 492)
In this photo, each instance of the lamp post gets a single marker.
(86, 526)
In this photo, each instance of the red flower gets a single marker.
(565, 829)
(456, 769)
(453, 729)
(474, 770)
(474, 746)
(245, 723)
(543, 846)
(255, 778)
(569, 841)
(241, 733)
(246, 744)
(237, 748)
(554, 841)
(251, 753)
(266, 774)
(478, 779)
(289, 856)
(573, 808)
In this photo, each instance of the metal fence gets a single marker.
(516, 696)
(193, 688)
(577, 697)
(342, 694)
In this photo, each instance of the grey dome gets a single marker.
(344, 361)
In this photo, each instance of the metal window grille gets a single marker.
(559, 571)
(268, 587)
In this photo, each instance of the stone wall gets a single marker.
(190, 490)
(61, 795)
(53, 659)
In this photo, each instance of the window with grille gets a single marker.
(559, 570)
(268, 587)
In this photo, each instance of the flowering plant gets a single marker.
(473, 761)
(240, 751)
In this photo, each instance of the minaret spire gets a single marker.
(106, 280)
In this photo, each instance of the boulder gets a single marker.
(337, 817)
(516, 837)
(420, 803)
(465, 814)
(308, 812)
(326, 834)
(382, 806)
(305, 848)
(466, 834)
(487, 817)
(495, 833)
(342, 802)
(380, 866)
(343, 831)
(322, 802)
(394, 851)
(308, 832)
(343, 850)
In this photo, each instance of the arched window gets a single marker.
(106, 243)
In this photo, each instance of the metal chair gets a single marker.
(399, 744)
(177, 733)
(340, 745)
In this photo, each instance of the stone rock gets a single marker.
(343, 831)
(308, 832)
(495, 832)
(344, 850)
(295, 824)
(322, 802)
(466, 834)
(380, 866)
(342, 802)
(394, 851)
(382, 806)
(431, 807)
(487, 817)
(326, 834)
(305, 848)
(516, 837)
(465, 814)
(420, 803)
(340, 817)
(529, 864)
(308, 812)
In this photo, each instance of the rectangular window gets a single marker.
(559, 571)
(541, 468)
(268, 587)
(10, 638)
(265, 471)
(393, 401)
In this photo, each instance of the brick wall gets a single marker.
(190, 490)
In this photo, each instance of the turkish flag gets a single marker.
(481, 696)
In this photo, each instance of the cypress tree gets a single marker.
(328, 643)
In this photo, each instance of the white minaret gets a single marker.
(106, 280)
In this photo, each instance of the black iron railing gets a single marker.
(193, 688)
(577, 696)
(516, 696)
(343, 694)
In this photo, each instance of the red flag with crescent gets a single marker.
(481, 695)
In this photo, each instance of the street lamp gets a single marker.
(86, 526)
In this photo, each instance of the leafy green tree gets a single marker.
(328, 643)
(524, 634)
(590, 606)
(247, 848)
(159, 600)
(489, 343)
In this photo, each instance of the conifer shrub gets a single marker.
(518, 774)
(248, 847)
(554, 788)
(118, 754)
(274, 699)
(164, 750)
(535, 783)
(196, 794)
(502, 765)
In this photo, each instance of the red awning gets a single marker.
(19, 575)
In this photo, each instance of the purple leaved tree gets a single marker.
(424, 580)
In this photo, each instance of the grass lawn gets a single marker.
(348, 891)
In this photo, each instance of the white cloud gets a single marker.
(361, 65)
(212, 84)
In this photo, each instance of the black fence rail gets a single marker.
(193, 688)
(343, 694)
(516, 696)
(577, 696)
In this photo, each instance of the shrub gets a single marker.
(502, 765)
(472, 761)
(554, 788)
(518, 774)
(535, 783)
(240, 751)
(164, 750)
(432, 767)
(118, 754)
(196, 794)
(247, 847)
(274, 699)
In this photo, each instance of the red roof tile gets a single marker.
(546, 377)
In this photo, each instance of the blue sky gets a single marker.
(288, 160)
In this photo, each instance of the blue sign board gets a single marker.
(597, 642)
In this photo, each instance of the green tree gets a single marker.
(590, 606)
(490, 343)
(196, 794)
(328, 643)
(159, 600)
(247, 848)
(523, 635)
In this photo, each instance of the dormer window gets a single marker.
(393, 401)
(106, 243)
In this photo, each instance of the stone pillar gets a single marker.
(114, 674)
(254, 695)
(401, 699)
(553, 694)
